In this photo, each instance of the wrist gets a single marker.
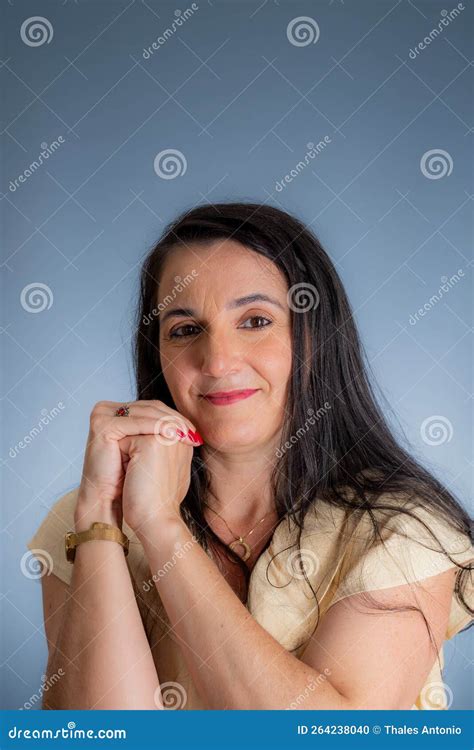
(153, 533)
(88, 511)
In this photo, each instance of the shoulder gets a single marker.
(346, 549)
(47, 543)
(393, 542)
(407, 545)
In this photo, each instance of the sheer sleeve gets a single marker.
(411, 549)
(47, 543)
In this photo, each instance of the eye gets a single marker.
(185, 332)
(266, 321)
(175, 335)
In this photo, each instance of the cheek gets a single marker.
(176, 371)
(176, 361)
(273, 361)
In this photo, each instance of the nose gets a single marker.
(219, 355)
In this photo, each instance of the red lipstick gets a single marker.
(222, 398)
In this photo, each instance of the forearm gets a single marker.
(102, 647)
(235, 663)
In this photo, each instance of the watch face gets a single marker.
(70, 549)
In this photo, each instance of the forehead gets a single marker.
(223, 268)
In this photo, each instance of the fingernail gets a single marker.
(195, 437)
(180, 433)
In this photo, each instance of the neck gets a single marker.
(240, 486)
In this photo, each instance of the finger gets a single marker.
(145, 407)
(166, 428)
(108, 427)
(130, 443)
(171, 429)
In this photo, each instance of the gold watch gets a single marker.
(97, 530)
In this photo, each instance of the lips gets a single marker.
(221, 398)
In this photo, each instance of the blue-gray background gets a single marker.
(240, 101)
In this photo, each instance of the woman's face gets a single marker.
(210, 343)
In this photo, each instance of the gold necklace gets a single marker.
(239, 540)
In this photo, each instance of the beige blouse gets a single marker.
(336, 560)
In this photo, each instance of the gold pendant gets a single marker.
(240, 543)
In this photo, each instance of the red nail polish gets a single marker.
(195, 437)
(180, 433)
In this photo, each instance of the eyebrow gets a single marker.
(188, 312)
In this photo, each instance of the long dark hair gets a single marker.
(353, 460)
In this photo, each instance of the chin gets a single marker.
(232, 437)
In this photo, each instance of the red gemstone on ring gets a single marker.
(122, 412)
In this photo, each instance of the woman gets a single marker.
(285, 551)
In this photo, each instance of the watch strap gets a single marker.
(97, 530)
